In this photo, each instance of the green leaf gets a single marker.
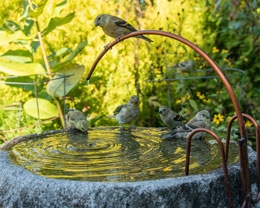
(6, 37)
(11, 26)
(56, 22)
(60, 52)
(29, 23)
(77, 50)
(25, 83)
(193, 104)
(38, 9)
(21, 69)
(65, 80)
(59, 7)
(20, 56)
(45, 108)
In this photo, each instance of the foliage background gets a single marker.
(226, 30)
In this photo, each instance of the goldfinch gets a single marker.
(75, 119)
(170, 118)
(200, 120)
(116, 27)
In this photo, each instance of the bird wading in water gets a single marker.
(200, 120)
(75, 119)
(127, 113)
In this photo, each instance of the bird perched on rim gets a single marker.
(75, 119)
(116, 27)
(200, 120)
(170, 118)
(127, 113)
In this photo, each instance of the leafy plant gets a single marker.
(23, 62)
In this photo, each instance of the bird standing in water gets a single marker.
(200, 120)
(170, 118)
(75, 119)
(116, 27)
(127, 113)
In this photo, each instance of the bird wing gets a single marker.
(118, 109)
(122, 23)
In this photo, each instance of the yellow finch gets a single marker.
(127, 113)
(75, 119)
(200, 120)
(115, 27)
(170, 118)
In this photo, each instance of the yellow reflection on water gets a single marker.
(108, 155)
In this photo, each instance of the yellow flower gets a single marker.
(207, 100)
(248, 124)
(224, 51)
(215, 50)
(187, 96)
(200, 96)
(178, 101)
(218, 118)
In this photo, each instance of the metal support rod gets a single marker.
(243, 155)
(250, 118)
(223, 158)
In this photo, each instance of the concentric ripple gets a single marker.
(106, 154)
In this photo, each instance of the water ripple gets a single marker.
(106, 154)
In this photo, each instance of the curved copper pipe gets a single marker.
(223, 158)
(254, 122)
(191, 45)
(243, 155)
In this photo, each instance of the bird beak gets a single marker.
(96, 23)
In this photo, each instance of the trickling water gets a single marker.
(105, 154)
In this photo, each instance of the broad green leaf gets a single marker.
(58, 21)
(20, 56)
(21, 69)
(45, 108)
(65, 80)
(6, 37)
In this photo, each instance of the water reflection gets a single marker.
(106, 154)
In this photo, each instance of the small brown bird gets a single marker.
(170, 118)
(200, 120)
(127, 113)
(116, 27)
(75, 119)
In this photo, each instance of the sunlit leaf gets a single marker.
(11, 26)
(59, 7)
(21, 69)
(38, 9)
(58, 21)
(21, 56)
(44, 107)
(6, 37)
(65, 80)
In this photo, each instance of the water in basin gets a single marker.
(105, 154)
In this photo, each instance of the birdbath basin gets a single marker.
(106, 168)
